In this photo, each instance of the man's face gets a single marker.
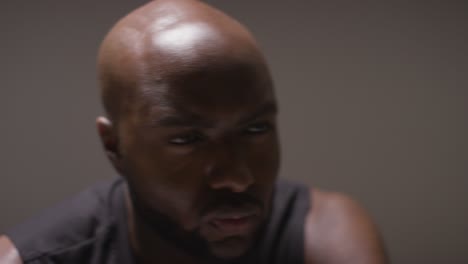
(202, 150)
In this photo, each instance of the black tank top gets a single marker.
(91, 228)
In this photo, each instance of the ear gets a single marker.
(110, 141)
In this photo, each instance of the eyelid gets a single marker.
(186, 138)
(191, 137)
(265, 127)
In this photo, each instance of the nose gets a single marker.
(229, 170)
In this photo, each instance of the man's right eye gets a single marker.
(185, 139)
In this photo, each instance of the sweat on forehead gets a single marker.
(168, 40)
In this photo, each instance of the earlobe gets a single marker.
(109, 139)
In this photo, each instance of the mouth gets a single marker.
(232, 226)
(232, 222)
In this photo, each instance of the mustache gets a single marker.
(225, 202)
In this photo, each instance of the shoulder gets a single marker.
(339, 230)
(72, 224)
(8, 252)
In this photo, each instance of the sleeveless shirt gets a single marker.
(91, 228)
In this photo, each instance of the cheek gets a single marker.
(263, 158)
(175, 170)
(171, 184)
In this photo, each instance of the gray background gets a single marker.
(373, 103)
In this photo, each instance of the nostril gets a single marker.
(231, 186)
(235, 180)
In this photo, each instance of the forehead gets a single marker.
(202, 69)
(217, 93)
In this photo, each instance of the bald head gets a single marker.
(170, 40)
(192, 116)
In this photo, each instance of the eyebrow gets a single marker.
(188, 119)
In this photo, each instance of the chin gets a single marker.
(230, 248)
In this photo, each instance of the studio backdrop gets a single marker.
(373, 102)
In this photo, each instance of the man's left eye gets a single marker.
(257, 128)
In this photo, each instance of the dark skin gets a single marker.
(191, 126)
